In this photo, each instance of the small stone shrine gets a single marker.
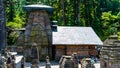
(75, 60)
(23, 62)
(110, 53)
(48, 65)
(86, 63)
(66, 62)
(38, 30)
(34, 56)
(13, 64)
(6, 59)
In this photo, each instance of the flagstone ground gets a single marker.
(54, 64)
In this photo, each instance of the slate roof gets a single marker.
(75, 36)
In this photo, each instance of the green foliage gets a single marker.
(12, 38)
(16, 23)
(108, 18)
(102, 15)
(110, 23)
(118, 15)
(113, 5)
(15, 19)
(118, 35)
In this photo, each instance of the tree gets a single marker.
(110, 23)
(15, 19)
(76, 13)
(17, 23)
(2, 25)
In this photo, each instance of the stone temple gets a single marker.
(54, 40)
(38, 30)
(110, 53)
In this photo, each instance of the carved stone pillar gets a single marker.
(75, 60)
(48, 65)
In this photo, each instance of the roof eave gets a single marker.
(80, 44)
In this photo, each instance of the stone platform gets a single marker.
(56, 65)
(42, 64)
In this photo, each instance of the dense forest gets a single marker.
(102, 15)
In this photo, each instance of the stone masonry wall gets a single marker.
(41, 17)
(38, 30)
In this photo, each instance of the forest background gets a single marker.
(102, 15)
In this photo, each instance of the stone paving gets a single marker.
(55, 65)
(42, 64)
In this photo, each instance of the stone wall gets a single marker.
(42, 18)
(38, 30)
(81, 50)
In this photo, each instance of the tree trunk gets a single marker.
(64, 11)
(2, 25)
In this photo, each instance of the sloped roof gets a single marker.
(75, 36)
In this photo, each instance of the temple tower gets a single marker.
(38, 30)
(110, 53)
